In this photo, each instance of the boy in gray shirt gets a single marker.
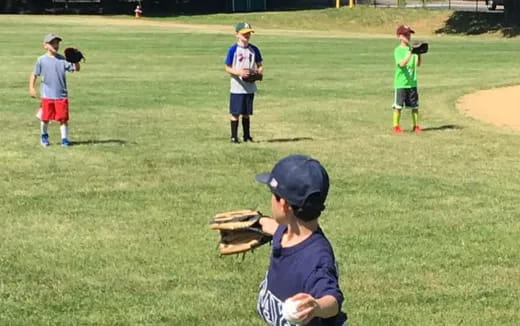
(52, 67)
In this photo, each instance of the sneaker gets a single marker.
(44, 140)
(417, 129)
(397, 130)
(249, 138)
(65, 142)
(235, 140)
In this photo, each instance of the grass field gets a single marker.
(113, 230)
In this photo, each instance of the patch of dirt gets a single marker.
(498, 106)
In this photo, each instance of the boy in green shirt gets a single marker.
(405, 79)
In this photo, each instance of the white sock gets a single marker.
(63, 130)
(43, 127)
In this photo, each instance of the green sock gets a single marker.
(415, 117)
(397, 117)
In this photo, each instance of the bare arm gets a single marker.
(236, 72)
(406, 59)
(32, 84)
(324, 307)
(260, 67)
(269, 225)
(419, 60)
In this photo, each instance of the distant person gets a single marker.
(52, 67)
(138, 12)
(242, 58)
(405, 80)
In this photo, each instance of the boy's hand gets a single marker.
(308, 307)
(244, 72)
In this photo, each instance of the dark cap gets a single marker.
(301, 180)
(244, 28)
(49, 37)
(404, 30)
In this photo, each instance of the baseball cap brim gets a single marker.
(246, 30)
(263, 177)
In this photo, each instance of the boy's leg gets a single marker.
(246, 115)
(64, 134)
(246, 128)
(396, 121)
(234, 128)
(413, 99)
(44, 137)
(48, 112)
(415, 120)
(62, 115)
(399, 102)
(235, 110)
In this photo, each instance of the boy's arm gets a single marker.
(239, 73)
(324, 307)
(406, 59)
(419, 60)
(32, 83)
(269, 225)
(260, 67)
(77, 67)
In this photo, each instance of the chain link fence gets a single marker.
(459, 5)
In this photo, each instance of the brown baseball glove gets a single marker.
(240, 231)
(254, 75)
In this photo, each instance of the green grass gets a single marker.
(113, 230)
(363, 19)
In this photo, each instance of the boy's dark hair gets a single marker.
(304, 214)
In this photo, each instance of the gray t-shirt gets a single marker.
(239, 57)
(53, 70)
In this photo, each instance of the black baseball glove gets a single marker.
(240, 231)
(254, 75)
(420, 48)
(73, 55)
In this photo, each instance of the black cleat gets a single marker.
(246, 139)
(235, 140)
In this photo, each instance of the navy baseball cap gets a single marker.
(301, 180)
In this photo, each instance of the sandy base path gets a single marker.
(498, 106)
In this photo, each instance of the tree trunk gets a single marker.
(512, 12)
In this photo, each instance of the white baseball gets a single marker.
(290, 311)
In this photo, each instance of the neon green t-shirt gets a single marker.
(405, 77)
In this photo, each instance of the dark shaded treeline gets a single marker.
(154, 7)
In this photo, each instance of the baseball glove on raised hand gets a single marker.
(420, 48)
(254, 75)
(73, 55)
(240, 231)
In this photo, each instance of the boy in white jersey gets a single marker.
(52, 66)
(242, 57)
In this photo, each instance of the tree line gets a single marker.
(511, 12)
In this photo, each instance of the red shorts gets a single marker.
(55, 109)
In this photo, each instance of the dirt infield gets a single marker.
(498, 106)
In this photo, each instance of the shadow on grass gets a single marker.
(443, 127)
(475, 23)
(99, 142)
(286, 140)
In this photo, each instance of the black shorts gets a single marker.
(241, 104)
(406, 98)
